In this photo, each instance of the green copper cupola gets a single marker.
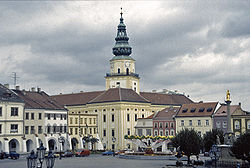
(122, 47)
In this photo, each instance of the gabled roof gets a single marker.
(8, 95)
(166, 99)
(149, 117)
(118, 95)
(38, 100)
(167, 113)
(76, 98)
(197, 109)
(222, 110)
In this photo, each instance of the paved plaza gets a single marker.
(93, 161)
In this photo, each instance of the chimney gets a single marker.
(240, 104)
(38, 90)
(6, 85)
(17, 87)
(33, 89)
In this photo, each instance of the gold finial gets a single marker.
(228, 95)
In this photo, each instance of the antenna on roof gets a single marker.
(15, 77)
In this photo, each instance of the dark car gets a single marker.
(3, 155)
(108, 153)
(67, 154)
(82, 152)
(14, 155)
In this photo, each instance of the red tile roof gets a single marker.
(167, 113)
(38, 100)
(222, 110)
(76, 98)
(119, 94)
(166, 99)
(197, 109)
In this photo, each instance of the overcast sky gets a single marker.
(200, 49)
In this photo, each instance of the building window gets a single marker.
(161, 125)
(40, 129)
(156, 124)
(61, 116)
(48, 116)
(13, 128)
(95, 110)
(135, 117)
(76, 131)
(76, 120)
(104, 117)
(54, 116)
(81, 131)
(40, 116)
(113, 132)
(81, 120)
(142, 109)
(128, 131)
(14, 111)
(104, 132)
(104, 109)
(166, 124)
(90, 130)
(161, 132)
(32, 130)
(190, 123)
(1, 109)
(94, 130)
(199, 122)
(148, 132)
(172, 132)
(32, 116)
(166, 133)
(127, 117)
(118, 70)
(70, 120)
(90, 120)
(218, 124)
(140, 132)
(54, 129)
(207, 122)
(248, 124)
(26, 116)
(71, 131)
(142, 116)
(155, 133)
(113, 118)
(85, 131)
(48, 129)
(172, 125)
(94, 120)
(61, 129)
(26, 129)
(65, 129)
(182, 123)
(224, 124)
(65, 116)
(237, 124)
(85, 121)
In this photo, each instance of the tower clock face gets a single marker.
(127, 64)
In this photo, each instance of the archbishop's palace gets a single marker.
(28, 118)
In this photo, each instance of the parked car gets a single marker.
(82, 152)
(3, 155)
(67, 154)
(108, 153)
(14, 155)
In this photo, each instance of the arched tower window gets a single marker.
(127, 71)
(118, 70)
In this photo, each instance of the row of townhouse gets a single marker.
(28, 118)
(202, 117)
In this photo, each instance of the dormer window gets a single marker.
(192, 110)
(201, 109)
(223, 112)
(185, 110)
(209, 109)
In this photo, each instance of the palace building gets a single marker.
(111, 114)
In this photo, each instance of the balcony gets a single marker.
(122, 74)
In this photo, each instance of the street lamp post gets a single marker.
(60, 140)
(40, 154)
(31, 160)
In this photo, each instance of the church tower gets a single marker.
(122, 65)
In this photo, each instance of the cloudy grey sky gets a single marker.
(201, 49)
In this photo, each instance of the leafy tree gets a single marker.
(93, 141)
(189, 142)
(210, 138)
(241, 147)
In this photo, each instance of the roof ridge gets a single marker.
(98, 96)
(77, 93)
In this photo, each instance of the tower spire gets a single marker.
(122, 47)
